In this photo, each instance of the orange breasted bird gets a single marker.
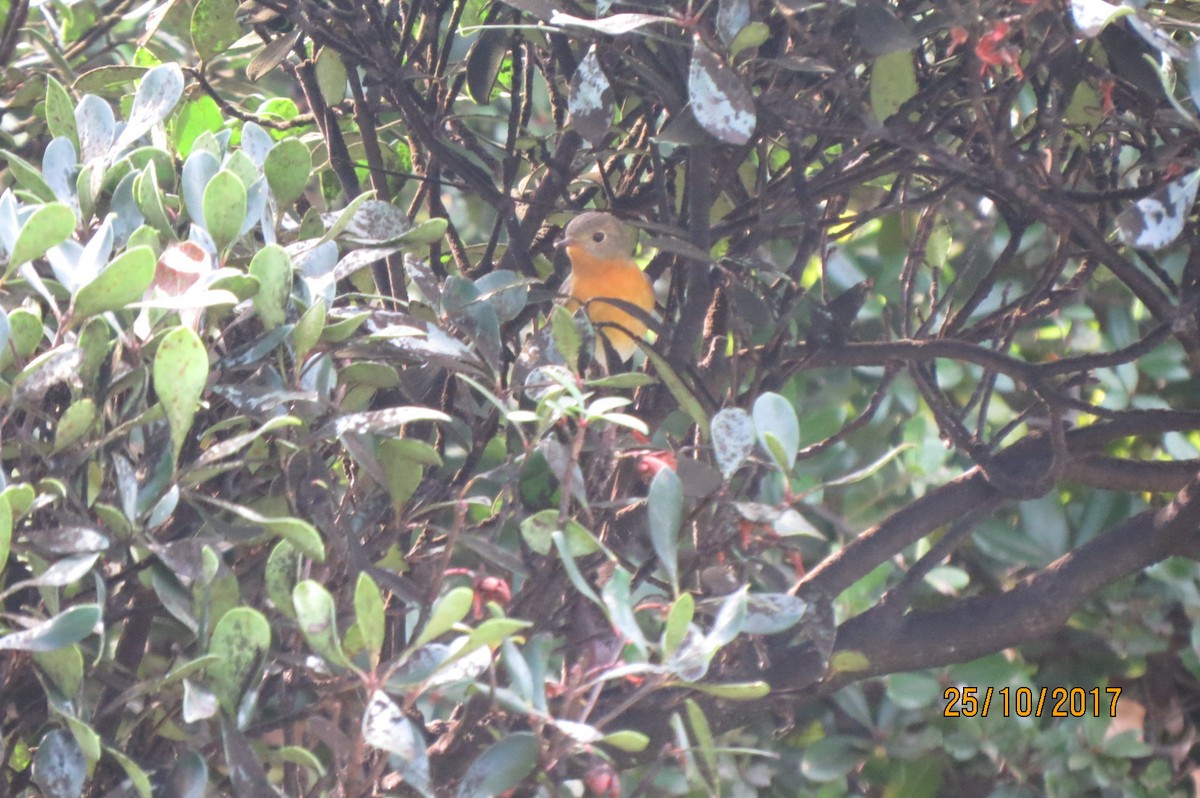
(600, 247)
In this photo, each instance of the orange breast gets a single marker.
(593, 279)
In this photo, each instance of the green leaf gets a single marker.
(197, 116)
(64, 667)
(831, 758)
(6, 528)
(423, 234)
(893, 83)
(848, 661)
(124, 280)
(751, 35)
(19, 498)
(60, 112)
(300, 533)
(29, 177)
(224, 206)
(678, 388)
(447, 611)
(618, 600)
(490, 633)
(331, 76)
(180, 373)
(778, 429)
(702, 734)
(49, 225)
(572, 568)
(566, 335)
(231, 446)
(288, 167)
(627, 740)
(679, 619)
(740, 691)
(484, 61)
(308, 329)
(303, 535)
(501, 767)
(25, 335)
(280, 576)
(64, 629)
(64, 572)
(272, 266)
(403, 461)
(317, 616)
(369, 615)
(538, 529)
(370, 374)
(729, 621)
(240, 640)
(665, 509)
(214, 27)
(149, 200)
(913, 690)
(74, 423)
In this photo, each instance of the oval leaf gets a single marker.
(720, 100)
(224, 207)
(157, 94)
(665, 508)
(317, 615)
(59, 766)
(49, 225)
(180, 372)
(64, 629)
(385, 727)
(124, 280)
(778, 429)
(240, 640)
(500, 768)
(590, 103)
(733, 439)
(272, 266)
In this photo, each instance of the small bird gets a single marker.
(600, 247)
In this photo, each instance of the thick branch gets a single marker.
(1037, 606)
(971, 491)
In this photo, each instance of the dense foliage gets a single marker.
(312, 486)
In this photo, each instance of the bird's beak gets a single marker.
(563, 242)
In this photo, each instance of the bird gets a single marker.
(600, 247)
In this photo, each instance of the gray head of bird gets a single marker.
(601, 235)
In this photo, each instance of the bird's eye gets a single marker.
(598, 237)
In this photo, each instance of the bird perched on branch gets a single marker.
(600, 247)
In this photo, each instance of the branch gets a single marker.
(1035, 607)
(971, 491)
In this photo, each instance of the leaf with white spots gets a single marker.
(720, 100)
(615, 25)
(385, 726)
(733, 439)
(157, 94)
(380, 421)
(1155, 221)
(1091, 16)
(591, 100)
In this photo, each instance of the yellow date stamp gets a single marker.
(1035, 702)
